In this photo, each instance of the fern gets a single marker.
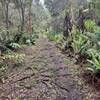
(94, 61)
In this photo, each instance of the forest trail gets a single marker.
(45, 75)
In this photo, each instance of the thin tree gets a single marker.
(7, 14)
(30, 17)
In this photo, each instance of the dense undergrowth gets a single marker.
(84, 46)
(9, 46)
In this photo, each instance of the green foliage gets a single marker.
(28, 42)
(24, 37)
(94, 61)
(9, 60)
(94, 38)
(54, 37)
(97, 40)
(29, 39)
(13, 41)
(80, 43)
(33, 38)
(97, 29)
(14, 46)
(7, 40)
(15, 58)
(5, 37)
(3, 67)
(90, 25)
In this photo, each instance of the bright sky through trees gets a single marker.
(42, 1)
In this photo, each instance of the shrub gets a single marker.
(14, 46)
(54, 37)
(29, 39)
(3, 67)
(80, 43)
(15, 58)
(28, 42)
(95, 39)
(94, 61)
(90, 25)
(33, 38)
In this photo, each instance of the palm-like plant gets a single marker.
(95, 61)
(80, 43)
(94, 38)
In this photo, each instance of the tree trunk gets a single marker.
(30, 18)
(23, 15)
(7, 16)
(22, 12)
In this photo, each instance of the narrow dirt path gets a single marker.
(45, 75)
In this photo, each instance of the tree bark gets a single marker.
(7, 15)
(30, 18)
(22, 15)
